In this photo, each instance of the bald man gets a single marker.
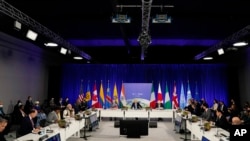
(236, 121)
(3, 124)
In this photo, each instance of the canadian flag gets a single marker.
(95, 102)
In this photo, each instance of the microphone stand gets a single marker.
(84, 128)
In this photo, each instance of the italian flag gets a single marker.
(152, 98)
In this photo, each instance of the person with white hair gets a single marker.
(68, 111)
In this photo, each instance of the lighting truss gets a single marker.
(16, 14)
(144, 37)
(225, 43)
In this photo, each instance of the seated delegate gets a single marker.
(136, 105)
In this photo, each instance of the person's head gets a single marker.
(29, 98)
(1, 104)
(204, 106)
(135, 101)
(33, 113)
(37, 102)
(236, 121)
(21, 107)
(69, 106)
(3, 124)
(57, 109)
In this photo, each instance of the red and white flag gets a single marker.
(175, 103)
(159, 94)
(95, 102)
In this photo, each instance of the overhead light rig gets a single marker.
(144, 38)
(19, 16)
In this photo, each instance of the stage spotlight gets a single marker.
(161, 18)
(17, 25)
(240, 44)
(220, 51)
(208, 58)
(63, 50)
(31, 35)
(78, 58)
(120, 18)
(51, 44)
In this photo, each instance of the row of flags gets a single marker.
(106, 100)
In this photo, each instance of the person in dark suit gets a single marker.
(136, 105)
(223, 108)
(28, 105)
(27, 124)
(83, 105)
(3, 125)
(221, 120)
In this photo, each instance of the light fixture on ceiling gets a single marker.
(208, 58)
(220, 51)
(121, 18)
(51, 44)
(17, 25)
(240, 44)
(31, 35)
(161, 18)
(63, 50)
(77, 57)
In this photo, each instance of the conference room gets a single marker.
(102, 56)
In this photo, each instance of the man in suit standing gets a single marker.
(27, 124)
(28, 105)
(136, 105)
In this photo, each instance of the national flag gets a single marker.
(88, 95)
(102, 97)
(167, 104)
(115, 94)
(95, 102)
(123, 101)
(175, 103)
(152, 98)
(196, 92)
(189, 95)
(108, 97)
(182, 98)
(81, 94)
(159, 94)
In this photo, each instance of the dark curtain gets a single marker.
(208, 80)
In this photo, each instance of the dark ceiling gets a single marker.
(196, 26)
